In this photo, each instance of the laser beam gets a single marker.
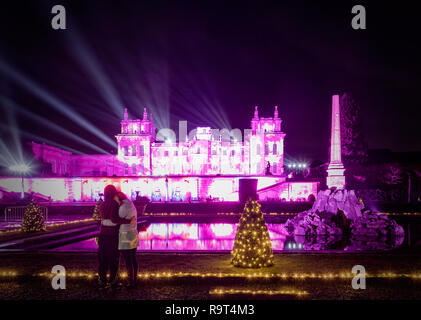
(53, 101)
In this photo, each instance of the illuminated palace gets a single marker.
(206, 153)
(206, 165)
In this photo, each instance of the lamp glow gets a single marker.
(21, 169)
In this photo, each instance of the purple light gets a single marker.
(207, 152)
(188, 237)
(181, 188)
(204, 167)
(222, 229)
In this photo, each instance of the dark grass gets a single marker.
(29, 287)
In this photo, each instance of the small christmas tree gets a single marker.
(97, 216)
(252, 246)
(33, 219)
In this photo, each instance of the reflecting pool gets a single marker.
(213, 237)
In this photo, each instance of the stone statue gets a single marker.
(268, 169)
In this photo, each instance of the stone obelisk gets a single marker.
(335, 170)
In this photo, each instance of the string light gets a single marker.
(8, 273)
(256, 275)
(52, 225)
(152, 214)
(400, 213)
(264, 213)
(259, 292)
(33, 219)
(17, 230)
(96, 215)
(252, 246)
(70, 222)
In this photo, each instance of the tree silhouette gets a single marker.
(354, 147)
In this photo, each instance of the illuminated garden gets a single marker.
(149, 169)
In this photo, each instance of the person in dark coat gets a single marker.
(108, 254)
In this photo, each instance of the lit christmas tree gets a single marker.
(97, 216)
(252, 246)
(33, 219)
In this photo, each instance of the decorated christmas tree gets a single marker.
(33, 219)
(97, 216)
(252, 247)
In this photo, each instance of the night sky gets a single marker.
(210, 63)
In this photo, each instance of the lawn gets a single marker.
(318, 275)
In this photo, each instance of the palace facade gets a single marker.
(208, 152)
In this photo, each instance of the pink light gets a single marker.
(155, 231)
(62, 189)
(335, 169)
(204, 154)
(184, 236)
(222, 229)
(183, 231)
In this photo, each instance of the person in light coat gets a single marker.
(128, 237)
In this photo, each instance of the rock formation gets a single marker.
(344, 200)
(339, 211)
(374, 225)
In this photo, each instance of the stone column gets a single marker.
(335, 171)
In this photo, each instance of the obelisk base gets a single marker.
(335, 176)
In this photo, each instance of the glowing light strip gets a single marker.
(50, 124)
(302, 276)
(401, 213)
(53, 101)
(265, 213)
(8, 273)
(50, 225)
(70, 222)
(91, 64)
(261, 292)
(218, 214)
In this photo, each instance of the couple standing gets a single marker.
(118, 234)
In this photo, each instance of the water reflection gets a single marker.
(221, 237)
